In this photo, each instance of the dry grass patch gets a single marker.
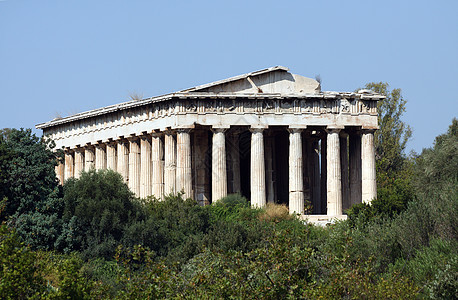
(275, 213)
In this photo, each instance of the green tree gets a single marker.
(20, 276)
(98, 206)
(393, 135)
(27, 172)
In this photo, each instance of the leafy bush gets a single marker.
(20, 275)
(98, 206)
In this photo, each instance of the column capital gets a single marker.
(256, 129)
(294, 130)
(132, 138)
(368, 130)
(157, 133)
(333, 129)
(183, 129)
(88, 146)
(67, 150)
(100, 144)
(219, 129)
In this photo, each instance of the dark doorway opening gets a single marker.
(245, 153)
(281, 159)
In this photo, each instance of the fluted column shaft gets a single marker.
(60, 172)
(145, 167)
(334, 183)
(258, 171)
(122, 164)
(134, 166)
(158, 170)
(100, 157)
(79, 162)
(219, 174)
(184, 171)
(68, 165)
(111, 156)
(296, 180)
(369, 185)
(88, 158)
(170, 172)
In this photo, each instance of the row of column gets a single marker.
(154, 166)
(145, 163)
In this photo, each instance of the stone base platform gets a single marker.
(322, 220)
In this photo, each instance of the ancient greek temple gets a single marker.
(270, 135)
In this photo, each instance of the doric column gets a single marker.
(111, 156)
(60, 172)
(355, 168)
(258, 171)
(345, 171)
(369, 185)
(296, 181)
(219, 175)
(88, 157)
(68, 164)
(145, 167)
(184, 171)
(122, 164)
(170, 172)
(134, 165)
(313, 159)
(100, 157)
(158, 170)
(79, 162)
(334, 175)
(269, 169)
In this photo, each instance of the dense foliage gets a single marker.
(98, 241)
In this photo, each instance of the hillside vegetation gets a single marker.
(92, 238)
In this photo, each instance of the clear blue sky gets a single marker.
(64, 57)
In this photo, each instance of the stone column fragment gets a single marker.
(369, 185)
(296, 180)
(184, 170)
(88, 158)
(59, 169)
(134, 166)
(68, 165)
(170, 172)
(122, 164)
(111, 156)
(79, 162)
(219, 175)
(158, 172)
(334, 183)
(100, 157)
(145, 167)
(258, 171)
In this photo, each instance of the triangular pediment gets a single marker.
(275, 80)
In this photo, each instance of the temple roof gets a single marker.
(271, 83)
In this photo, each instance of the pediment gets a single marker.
(275, 80)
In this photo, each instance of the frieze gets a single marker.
(218, 106)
